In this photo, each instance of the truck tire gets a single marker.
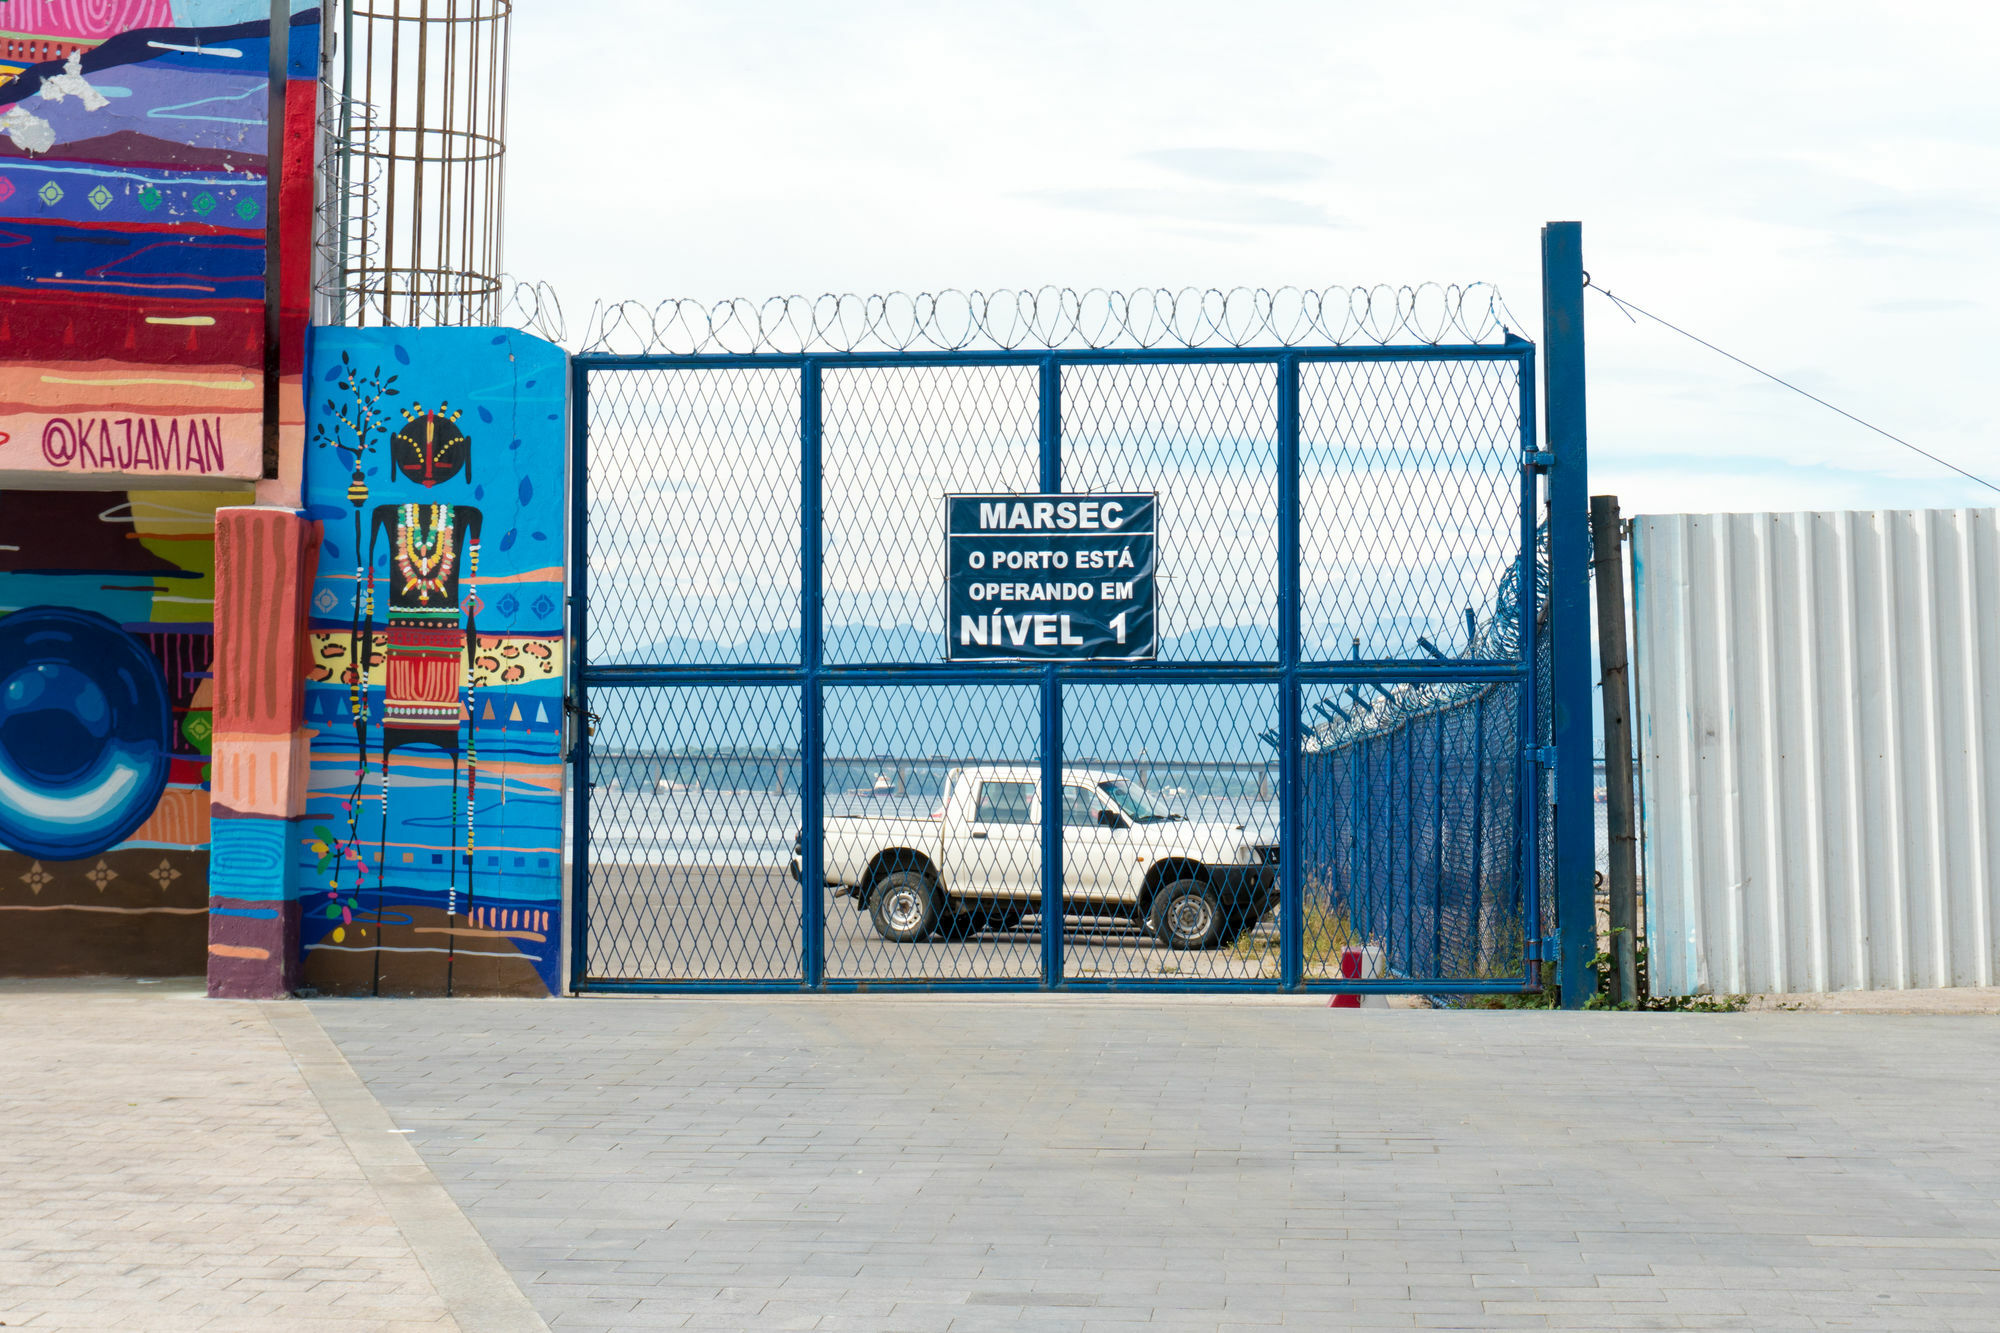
(1004, 917)
(1240, 918)
(905, 907)
(974, 918)
(1188, 916)
(1234, 928)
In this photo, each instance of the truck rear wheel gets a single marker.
(905, 907)
(1187, 915)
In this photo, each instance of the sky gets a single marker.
(1815, 187)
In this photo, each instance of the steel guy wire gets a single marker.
(1627, 308)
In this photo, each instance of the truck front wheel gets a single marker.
(1188, 916)
(905, 907)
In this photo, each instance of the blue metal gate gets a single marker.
(1354, 664)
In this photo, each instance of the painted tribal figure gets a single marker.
(428, 649)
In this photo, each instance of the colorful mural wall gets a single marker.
(106, 641)
(430, 852)
(134, 197)
(134, 189)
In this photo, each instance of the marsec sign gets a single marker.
(1050, 577)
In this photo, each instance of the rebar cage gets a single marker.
(780, 782)
(413, 124)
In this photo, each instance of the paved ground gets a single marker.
(1955, 1000)
(900, 1163)
(172, 1162)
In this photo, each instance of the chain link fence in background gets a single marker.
(1413, 795)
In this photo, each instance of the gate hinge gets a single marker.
(1538, 461)
(1545, 755)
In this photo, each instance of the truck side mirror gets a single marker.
(1110, 819)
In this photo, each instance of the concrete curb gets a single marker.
(479, 1291)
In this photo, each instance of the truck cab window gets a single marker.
(1079, 807)
(1135, 801)
(1004, 803)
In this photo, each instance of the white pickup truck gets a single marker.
(976, 863)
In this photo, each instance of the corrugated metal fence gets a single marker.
(1819, 732)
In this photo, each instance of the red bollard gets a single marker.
(1350, 968)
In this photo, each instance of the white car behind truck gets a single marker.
(975, 864)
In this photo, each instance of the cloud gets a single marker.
(1236, 207)
(1906, 213)
(1752, 483)
(1239, 166)
(1847, 200)
(1922, 307)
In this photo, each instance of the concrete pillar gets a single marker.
(265, 561)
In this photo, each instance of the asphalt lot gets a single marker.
(691, 922)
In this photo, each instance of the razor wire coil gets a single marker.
(1048, 318)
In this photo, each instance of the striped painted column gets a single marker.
(265, 560)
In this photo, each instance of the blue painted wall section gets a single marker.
(432, 850)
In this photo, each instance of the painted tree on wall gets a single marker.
(352, 425)
(430, 679)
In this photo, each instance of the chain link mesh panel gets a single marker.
(1412, 851)
(694, 803)
(694, 498)
(908, 902)
(897, 441)
(1206, 438)
(1170, 832)
(1410, 495)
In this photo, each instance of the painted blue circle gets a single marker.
(86, 733)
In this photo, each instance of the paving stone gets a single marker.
(164, 1166)
(1206, 1165)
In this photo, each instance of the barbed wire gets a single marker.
(533, 307)
(1046, 318)
(346, 219)
(1498, 636)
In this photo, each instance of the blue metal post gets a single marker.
(1528, 732)
(1437, 851)
(579, 718)
(1478, 826)
(1052, 859)
(1360, 872)
(1370, 837)
(812, 746)
(1569, 597)
(1052, 862)
(1409, 838)
(1291, 847)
